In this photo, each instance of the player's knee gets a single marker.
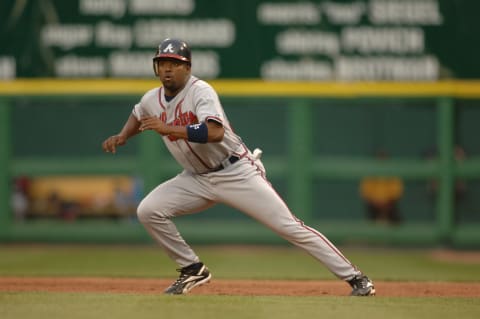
(146, 212)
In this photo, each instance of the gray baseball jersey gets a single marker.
(242, 185)
(196, 103)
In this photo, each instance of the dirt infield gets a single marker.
(238, 287)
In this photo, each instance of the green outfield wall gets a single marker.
(318, 141)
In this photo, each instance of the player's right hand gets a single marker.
(111, 143)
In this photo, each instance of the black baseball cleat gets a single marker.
(361, 286)
(190, 277)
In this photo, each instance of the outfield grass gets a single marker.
(226, 262)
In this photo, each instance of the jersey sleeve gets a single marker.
(141, 108)
(207, 105)
(137, 111)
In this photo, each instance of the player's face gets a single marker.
(173, 74)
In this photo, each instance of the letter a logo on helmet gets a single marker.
(169, 49)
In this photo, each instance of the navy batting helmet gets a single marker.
(175, 49)
(172, 49)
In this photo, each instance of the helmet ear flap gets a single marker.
(155, 67)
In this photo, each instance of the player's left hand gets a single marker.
(153, 123)
(111, 143)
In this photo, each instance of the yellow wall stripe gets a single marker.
(460, 89)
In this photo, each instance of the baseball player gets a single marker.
(217, 168)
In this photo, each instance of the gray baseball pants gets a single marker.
(244, 187)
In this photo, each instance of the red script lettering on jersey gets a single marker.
(182, 119)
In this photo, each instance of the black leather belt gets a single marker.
(232, 159)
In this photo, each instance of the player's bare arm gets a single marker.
(215, 131)
(130, 129)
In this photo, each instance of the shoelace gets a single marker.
(183, 275)
(363, 282)
(360, 283)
